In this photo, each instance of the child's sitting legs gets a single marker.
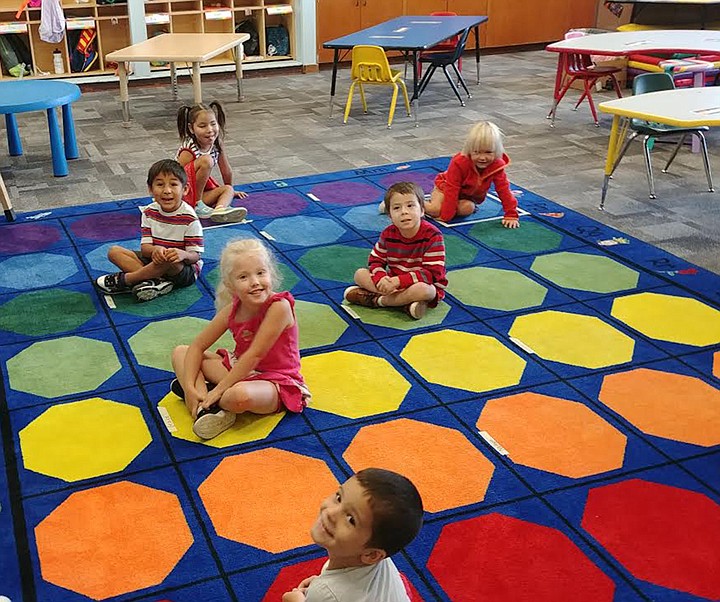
(432, 207)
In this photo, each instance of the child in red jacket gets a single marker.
(467, 180)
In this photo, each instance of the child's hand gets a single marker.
(388, 285)
(158, 255)
(294, 596)
(211, 399)
(172, 255)
(305, 583)
(511, 222)
(239, 194)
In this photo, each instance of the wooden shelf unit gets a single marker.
(223, 16)
(110, 22)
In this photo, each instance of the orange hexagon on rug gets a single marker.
(665, 404)
(249, 498)
(716, 364)
(446, 468)
(581, 444)
(113, 539)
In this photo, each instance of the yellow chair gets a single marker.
(370, 66)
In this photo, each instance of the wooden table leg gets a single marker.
(197, 86)
(124, 95)
(239, 51)
(5, 202)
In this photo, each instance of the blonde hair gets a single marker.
(484, 135)
(232, 252)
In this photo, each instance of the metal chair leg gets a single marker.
(706, 160)
(453, 86)
(461, 81)
(678, 146)
(648, 166)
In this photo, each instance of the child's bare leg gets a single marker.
(363, 280)
(465, 207)
(178, 363)
(419, 291)
(124, 258)
(256, 396)
(203, 169)
(221, 196)
(433, 206)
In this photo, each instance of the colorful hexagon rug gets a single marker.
(559, 411)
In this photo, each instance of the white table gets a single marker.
(622, 43)
(195, 48)
(687, 107)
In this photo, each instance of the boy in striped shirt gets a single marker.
(171, 243)
(406, 267)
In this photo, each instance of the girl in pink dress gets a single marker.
(262, 374)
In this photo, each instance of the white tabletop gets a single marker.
(179, 47)
(687, 107)
(626, 42)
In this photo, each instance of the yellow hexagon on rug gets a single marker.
(84, 439)
(248, 427)
(670, 318)
(353, 384)
(268, 498)
(553, 434)
(446, 468)
(665, 404)
(573, 339)
(444, 358)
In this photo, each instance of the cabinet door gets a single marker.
(424, 7)
(373, 12)
(526, 21)
(472, 7)
(335, 18)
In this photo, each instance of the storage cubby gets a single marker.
(109, 21)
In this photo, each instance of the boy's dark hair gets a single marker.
(396, 508)
(166, 166)
(405, 188)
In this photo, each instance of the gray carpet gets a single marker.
(282, 130)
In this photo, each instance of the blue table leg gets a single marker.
(13, 135)
(60, 166)
(71, 149)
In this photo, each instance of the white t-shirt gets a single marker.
(380, 582)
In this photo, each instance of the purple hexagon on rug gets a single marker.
(347, 193)
(104, 227)
(273, 204)
(25, 238)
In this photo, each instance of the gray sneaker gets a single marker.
(228, 215)
(147, 290)
(213, 421)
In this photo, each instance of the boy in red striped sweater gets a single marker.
(406, 267)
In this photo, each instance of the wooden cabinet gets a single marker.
(510, 22)
(336, 18)
(108, 21)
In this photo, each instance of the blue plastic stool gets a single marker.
(21, 96)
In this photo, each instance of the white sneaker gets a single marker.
(213, 421)
(147, 290)
(381, 207)
(228, 215)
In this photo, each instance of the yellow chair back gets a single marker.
(370, 65)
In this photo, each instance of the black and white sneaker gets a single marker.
(176, 388)
(147, 290)
(112, 284)
(213, 421)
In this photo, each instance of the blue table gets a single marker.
(21, 96)
(409, 35)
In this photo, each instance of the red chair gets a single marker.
(447, 46)
(579, 67)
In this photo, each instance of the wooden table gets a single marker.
(175, 48)
(622, 43)
(686, 107)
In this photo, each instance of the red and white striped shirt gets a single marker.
(180, 229)
(417, 259)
